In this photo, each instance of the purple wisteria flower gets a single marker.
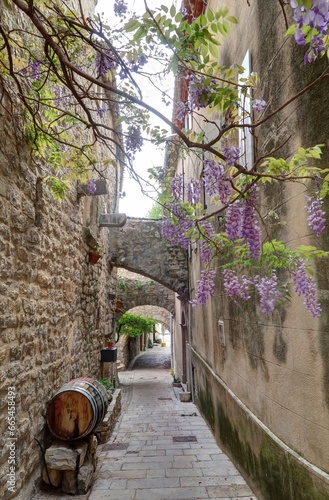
(232, 154)
(120, 7)
(312, 27)
(259, 105)
(91, 186)
(133, 141)
(183, 10)
(268, 292)
(233, 224)
(251, 231)
(193, 191)
(33, 70)
(181, 110)
(177, 187)
(317, 216)
(60, 98)
(216, 181)
(236, 287)
(104, 62)
(304, 285)
(176, 231)
(199, 94)
(206, 247)
(101, 111)
(205, 287)
(139, 62)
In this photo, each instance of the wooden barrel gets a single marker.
(76, 409)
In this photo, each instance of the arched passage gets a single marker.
(134, 290)
(139, 247)
(144, 297)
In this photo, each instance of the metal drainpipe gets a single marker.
(190, 371)
(171, 342)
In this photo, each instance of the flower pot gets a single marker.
(94, 257)
(118, 305)
(185, 397)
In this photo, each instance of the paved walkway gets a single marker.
(161, 449)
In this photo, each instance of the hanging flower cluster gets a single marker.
(304, 286)
(259, 105)
(120, 7)
(105, 62)
(216, 181)
(239, 287)
(241, 223)
(312, 27)
(317, 216)
(91, 186)
(134, 141)
(205, 287)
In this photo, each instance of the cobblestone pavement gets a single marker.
(161, 448)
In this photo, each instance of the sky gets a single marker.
(135, 203)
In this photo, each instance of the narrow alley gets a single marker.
(161, 448)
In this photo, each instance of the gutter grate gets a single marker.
(185, 439)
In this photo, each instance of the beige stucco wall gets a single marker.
(276, 366)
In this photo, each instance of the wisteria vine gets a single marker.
(90, 68)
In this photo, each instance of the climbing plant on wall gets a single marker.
(61, 70)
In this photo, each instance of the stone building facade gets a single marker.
(262, 381)
(55, 312)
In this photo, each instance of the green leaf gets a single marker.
(132, 25)
(233, 20)
(291, 30)
(214, 27)
(178, 17)
(203, 20)
(307, 3)
(213, 49)
(210, 15)
(221, 29)
(139, 33)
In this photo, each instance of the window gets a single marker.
(221, 333)
(246, 142)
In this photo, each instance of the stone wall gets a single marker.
(135, 290)
(55, 314)
(139, 247)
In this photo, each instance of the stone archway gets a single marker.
(134, 290)
(155, 312)
(140, 248)
(144, 297)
